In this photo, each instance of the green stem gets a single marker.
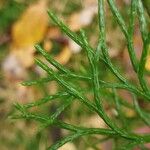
(123, 27)
(142, 67)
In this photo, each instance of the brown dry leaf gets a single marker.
(27, 31)
(31, 27)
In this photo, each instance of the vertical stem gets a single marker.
(96, 87)
(123, 27)
(142, 20)
(118, 108)
(145, 38)
(133, 12)
(93, 59)
(102, 41)
(142, 66)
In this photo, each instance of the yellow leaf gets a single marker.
(31, 27)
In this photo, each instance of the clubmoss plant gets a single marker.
(71, 93)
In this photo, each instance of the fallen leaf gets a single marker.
(31, 27)
(27, 31)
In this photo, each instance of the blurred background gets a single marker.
(24, 23)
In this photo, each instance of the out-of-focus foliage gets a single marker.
(9, 12)
(147, 5)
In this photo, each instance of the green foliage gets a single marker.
(72, 93)
(9, 13)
